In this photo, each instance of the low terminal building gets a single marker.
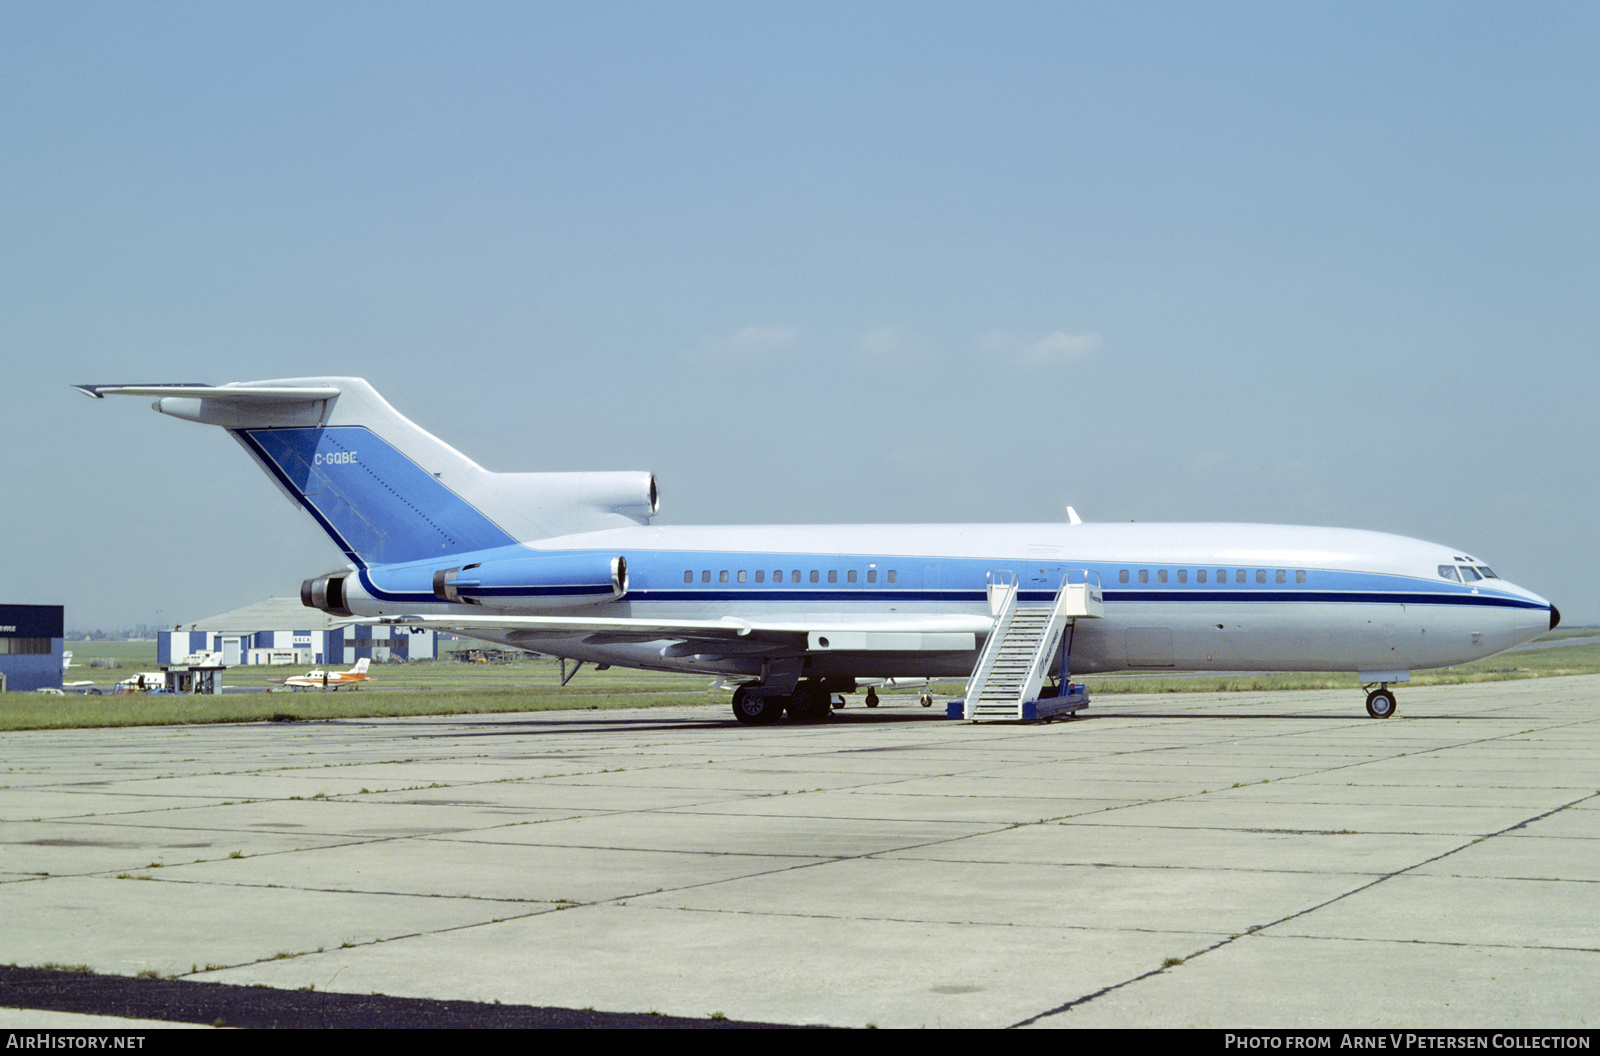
(283, 631)
(31, 642)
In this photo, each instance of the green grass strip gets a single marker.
(458, 689)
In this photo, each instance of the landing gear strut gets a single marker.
(1381, 703)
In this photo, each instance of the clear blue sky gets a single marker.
(1310, 263)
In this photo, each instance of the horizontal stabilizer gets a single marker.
(195, 390)
(385, 490)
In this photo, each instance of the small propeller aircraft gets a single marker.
(329, 680)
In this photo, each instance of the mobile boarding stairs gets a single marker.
(1018, 656)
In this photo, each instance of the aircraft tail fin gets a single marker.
(361, 666)
(384, 489)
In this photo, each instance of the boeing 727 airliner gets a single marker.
(569, 565)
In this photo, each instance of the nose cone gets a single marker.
(1529, 617)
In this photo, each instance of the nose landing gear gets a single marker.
(1380, 702)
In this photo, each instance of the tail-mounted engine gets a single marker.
(326, 593)
(556, 580)
(526, 581)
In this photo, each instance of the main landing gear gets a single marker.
(755, 706)
(1380, 702)
(811, 700)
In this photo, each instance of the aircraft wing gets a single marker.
(871, 634)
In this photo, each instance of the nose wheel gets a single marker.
(1381, 703)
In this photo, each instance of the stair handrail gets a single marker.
(1004, 586)
(1044, 653)
(1000, 582)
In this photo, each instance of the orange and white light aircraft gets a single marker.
(330, 680)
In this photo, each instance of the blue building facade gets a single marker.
(282, 631)
(31, 641)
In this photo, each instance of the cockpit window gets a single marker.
(1449, 572)
(1469, 574)
(1488, 573)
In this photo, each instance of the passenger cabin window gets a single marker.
(1261, 575)
(1183, 575)
(1122, 577)
(722, 577)
(741, 575)
(794, 577)
(705, 576)
(1144, 575)
(1300, 576)
(872, 575)
(688, 576)
(893, 575)
(1282, 576)
(813, 575)
(1200, 575)
(1238, 577)
(761, 575)
(850, 575)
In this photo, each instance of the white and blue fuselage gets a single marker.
(1207, 597)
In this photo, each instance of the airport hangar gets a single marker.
(283, 631)
(31, 642)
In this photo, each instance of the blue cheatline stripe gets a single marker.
(658, 575)
(571, 590)
(374, 502)
(978, 596)
(856, 596)
(1377, 597)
